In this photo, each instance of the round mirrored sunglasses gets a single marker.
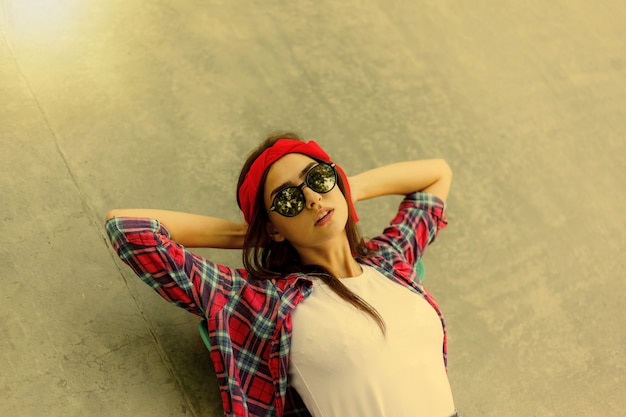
(290, 201)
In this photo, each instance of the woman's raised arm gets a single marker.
(192, 230)
(430, 175)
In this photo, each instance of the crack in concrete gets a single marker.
(94, 220)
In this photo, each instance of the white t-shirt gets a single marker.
(342, 365)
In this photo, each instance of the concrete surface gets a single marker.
(123, 103)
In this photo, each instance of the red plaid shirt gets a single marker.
(249, 320)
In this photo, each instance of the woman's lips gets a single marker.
(324, 216)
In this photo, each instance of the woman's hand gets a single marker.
(354, 188)
(192, 230)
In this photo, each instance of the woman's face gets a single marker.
(324, 215)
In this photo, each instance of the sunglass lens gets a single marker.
(289, 202)
(322, 178)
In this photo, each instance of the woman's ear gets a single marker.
(273, 232)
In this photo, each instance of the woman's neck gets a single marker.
(337, 259)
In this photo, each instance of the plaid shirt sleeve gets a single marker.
(178, 275)
(419, 219)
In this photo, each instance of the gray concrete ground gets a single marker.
(117, 103)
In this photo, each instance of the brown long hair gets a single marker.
(265, 258)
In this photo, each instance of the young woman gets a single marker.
(319, 322)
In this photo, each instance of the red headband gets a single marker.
(250, 186)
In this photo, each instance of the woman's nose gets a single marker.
(311, 197)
